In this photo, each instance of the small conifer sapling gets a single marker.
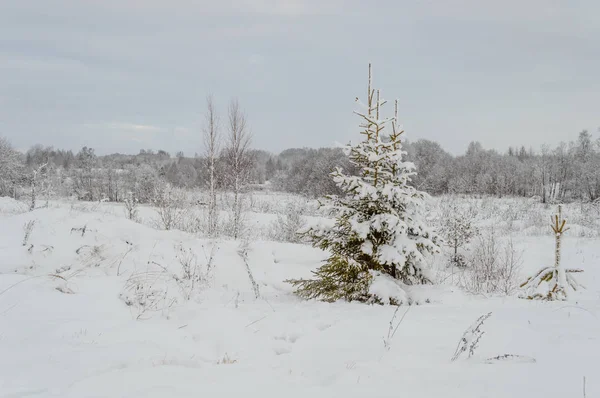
(553, 283)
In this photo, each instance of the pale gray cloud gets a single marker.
(501, 72)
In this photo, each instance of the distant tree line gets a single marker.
(570, 171)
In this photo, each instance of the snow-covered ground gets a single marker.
(95, 305)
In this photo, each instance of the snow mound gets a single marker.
(11, 206)
(66, 328)
(388, 290)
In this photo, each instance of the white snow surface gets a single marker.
(74, 336)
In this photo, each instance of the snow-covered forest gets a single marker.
(385, 268)
(567, 172)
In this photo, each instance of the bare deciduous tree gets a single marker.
(238, 162)
(170, 206)
(37, 179)
(211, 143)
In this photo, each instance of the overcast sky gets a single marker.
(120, 75)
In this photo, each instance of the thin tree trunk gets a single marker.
(211, 140)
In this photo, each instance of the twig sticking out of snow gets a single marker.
(252, 323)
(82, 230)
(243, 253)
(28, 228)
(470, 338)
(123, 258)
(30, 278)
(210, 258)
(387, 342)
(510, 358)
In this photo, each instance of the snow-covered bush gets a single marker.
(144, 181)
(287, 225)
(493, 266)
(39, 184)
(379, 226)
(11, 170)
(235, 224)
(171, 206)
(131, 207)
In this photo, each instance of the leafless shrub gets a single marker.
(194, 275)
(147, 292)
(470, 341)
(28, 229)
(131, 207)
(236, 223)
(493, 267)
(170, 205)
(287, 225)
(197, 221)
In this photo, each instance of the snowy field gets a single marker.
(95, 305)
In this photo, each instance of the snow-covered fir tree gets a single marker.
(458, 229)
(379, 228)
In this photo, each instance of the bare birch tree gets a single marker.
(239, 162)
(211, 144)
